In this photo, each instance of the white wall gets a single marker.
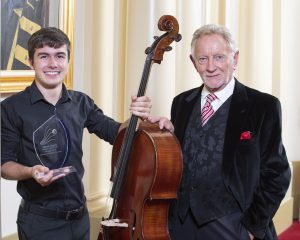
(289, 75)
(10, 201)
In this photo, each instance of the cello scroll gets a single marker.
(170, 25)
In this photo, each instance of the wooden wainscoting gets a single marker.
(296, 189)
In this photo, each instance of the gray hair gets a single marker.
(211, 29)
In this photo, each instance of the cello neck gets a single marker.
(129, 136)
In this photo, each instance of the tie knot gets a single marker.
(211, 97)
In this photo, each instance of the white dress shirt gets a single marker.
(222, 95)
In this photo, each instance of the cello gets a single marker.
(146, 165)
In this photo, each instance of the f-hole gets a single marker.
(132, 227)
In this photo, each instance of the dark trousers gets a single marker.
(225, 228)
(35, 227)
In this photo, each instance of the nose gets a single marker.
(211, 66)
(52, 62)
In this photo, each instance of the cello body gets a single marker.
(151, 183)
(146, 165)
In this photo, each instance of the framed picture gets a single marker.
(19, 20)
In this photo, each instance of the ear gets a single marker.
(31, 63)
(193, 61)
(235, 60)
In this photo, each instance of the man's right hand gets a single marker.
(163, 122)
(44, 176)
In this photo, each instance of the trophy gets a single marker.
(51, 144)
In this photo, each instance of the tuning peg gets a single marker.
(178, 37)
(147, 50)
(169, 48)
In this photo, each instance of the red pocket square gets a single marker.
(246, 135)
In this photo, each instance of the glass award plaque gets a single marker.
(51, 143)
(58, 171)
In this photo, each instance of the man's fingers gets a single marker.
(153, 119)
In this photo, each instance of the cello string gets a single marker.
(123, 157)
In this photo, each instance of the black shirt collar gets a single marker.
(36, 95)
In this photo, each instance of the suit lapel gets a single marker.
(236, 116)
(187, 109)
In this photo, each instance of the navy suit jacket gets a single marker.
(255, 170)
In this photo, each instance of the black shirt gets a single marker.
(23, 113)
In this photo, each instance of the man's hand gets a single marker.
(163, 122)
(44, 176)
(140, 106)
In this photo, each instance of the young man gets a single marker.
(41, 145)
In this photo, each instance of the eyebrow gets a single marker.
(45, 53)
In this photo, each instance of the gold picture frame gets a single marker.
(12, 81)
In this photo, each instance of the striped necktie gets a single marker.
(207, 110)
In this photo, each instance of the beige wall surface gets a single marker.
(109, 43)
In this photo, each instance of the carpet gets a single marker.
(292, 233)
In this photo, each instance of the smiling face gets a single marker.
(214, 61)
(50, 66)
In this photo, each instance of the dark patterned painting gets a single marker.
(19, 20)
